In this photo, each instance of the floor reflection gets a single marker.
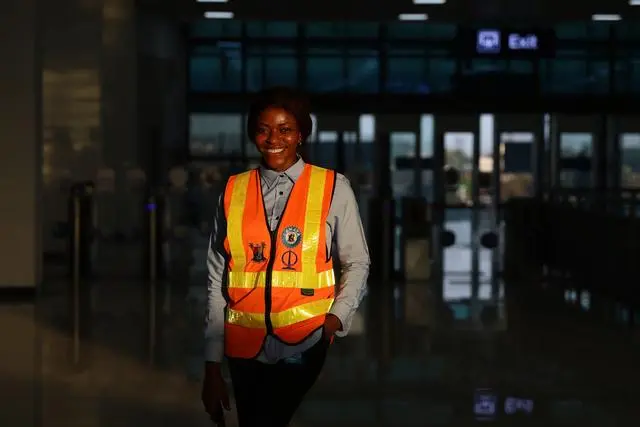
(409, 360)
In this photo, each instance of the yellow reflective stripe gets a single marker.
(301, 312)
(239, 279)
(248, 320)
(283, 318)
(313, 218)
(282, 279)
(234, 220)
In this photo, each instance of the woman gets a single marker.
(273, 304)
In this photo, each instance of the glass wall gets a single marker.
(399, 57)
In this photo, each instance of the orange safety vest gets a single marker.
(280, 283)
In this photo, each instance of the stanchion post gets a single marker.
(80, 238)
(381, 246)
(154, 210)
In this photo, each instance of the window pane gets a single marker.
(361, 29)
(254, 74)
(572, 31)
(627, 31)
(407, 72)
(441, 31)
(272, 29)
(322, 29)
(598, 30)
(634, 65)
(622, 76)
(281, 70)
(325, 71)
(520, 66)
(271, 66)
(205, 74)
(363, 71)
(215, 28)
(568, 76)
(441, 71)
(598, 81)
(211, 134)
(216, 68)
(408, 30)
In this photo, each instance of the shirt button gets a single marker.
(282, 176)
(277, 217)
(281, 193)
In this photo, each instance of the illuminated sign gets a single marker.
(506, 43)
(513, 405)
(488, 41)
(522, 42)
(485, 405)
(491, 41)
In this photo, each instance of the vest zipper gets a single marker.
(267, 290)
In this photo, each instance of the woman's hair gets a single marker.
(291, 100)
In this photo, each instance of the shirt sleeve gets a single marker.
(217, 275)
(353, 253)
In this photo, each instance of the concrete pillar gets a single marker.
(89, 101)
(119, 84)
(20, 147)
(20, 232)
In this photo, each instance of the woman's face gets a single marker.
(277, 138)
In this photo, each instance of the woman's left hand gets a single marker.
(331, 325)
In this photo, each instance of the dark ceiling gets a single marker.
(528, 12)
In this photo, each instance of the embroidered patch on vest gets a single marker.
(257, 249)
(291, 236)
(307, 292)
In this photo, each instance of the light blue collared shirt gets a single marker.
(345, 239)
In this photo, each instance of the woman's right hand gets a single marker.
(214, 392)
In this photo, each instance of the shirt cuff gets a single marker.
(214, 351)
(345, 314)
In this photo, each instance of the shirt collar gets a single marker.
(293, 173)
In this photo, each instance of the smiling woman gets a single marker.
(277, 231)
(279, 122)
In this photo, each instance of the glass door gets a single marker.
(345, 143)
(403, 131)
(517, 150)
(456, 195)
(624, 163)
(574, 142)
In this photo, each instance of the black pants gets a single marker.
(268, 395)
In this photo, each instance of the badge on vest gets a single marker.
(258, 252)
(307, 292)
(291, 236)
(289, 260)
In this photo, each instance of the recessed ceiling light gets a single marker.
(434, 1)
(212, 1)
(413, 17)
(606, 17)
(218, 15)
(634, 2)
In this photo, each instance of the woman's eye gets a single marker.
(285, 130)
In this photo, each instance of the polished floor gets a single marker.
(412, 362)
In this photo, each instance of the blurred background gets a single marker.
(493, 147)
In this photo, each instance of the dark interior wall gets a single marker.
(161, 96)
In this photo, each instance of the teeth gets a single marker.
(275, 150)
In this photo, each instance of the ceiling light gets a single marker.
(212, 1)
(606, 17)
(218, 15)
(413, 17)
(634, 2)
(442, 1)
